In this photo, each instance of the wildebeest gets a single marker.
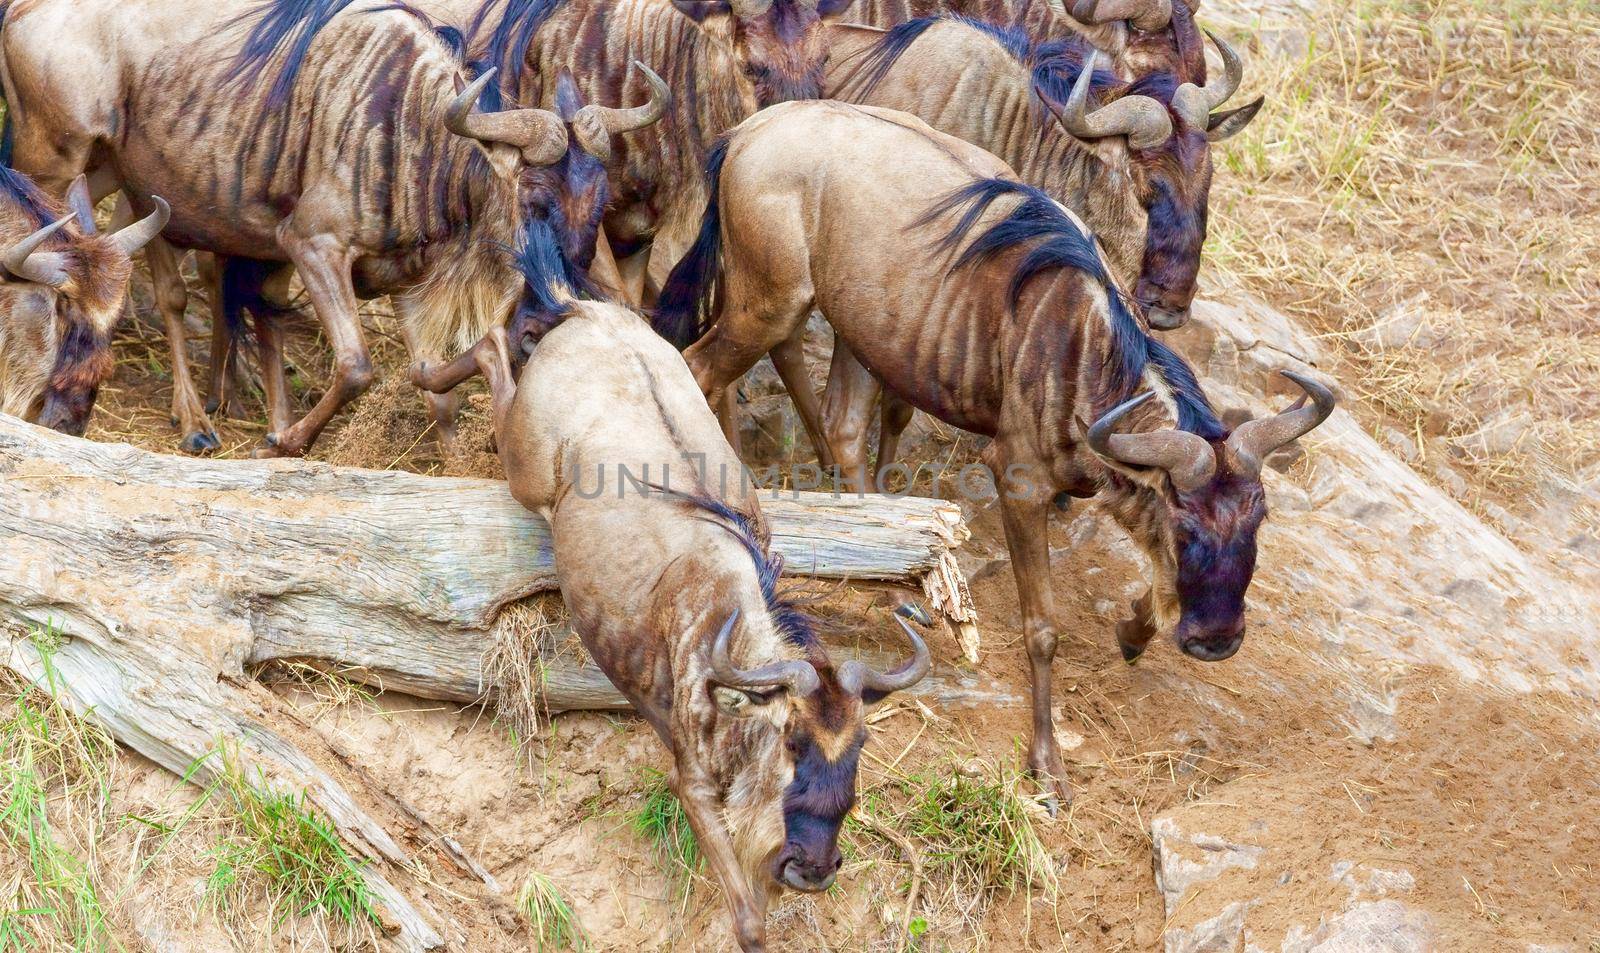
(724, 59)
(686, 618)
(991, 309)
(1133, 160)
(62, 286)
(361, 162)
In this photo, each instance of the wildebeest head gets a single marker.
(1166, 115)
(562, 205)
(62, 291)
(819, 712)
(1208, 506)
(781, 44)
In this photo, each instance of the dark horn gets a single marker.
(144, 231)
(796, 676)
(1255, 439)
(637, 117)
(856, 677)
(540, 134)
(1143, 120)
(1194, 103)
(1187, 458)
(1145, 15)
(45, 268)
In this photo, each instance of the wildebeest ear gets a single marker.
(80, 201)
(739, 703)
(698, 10)
(1224, 124)
(832, 8)
(569, 99)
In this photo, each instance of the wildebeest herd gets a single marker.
(993, 204)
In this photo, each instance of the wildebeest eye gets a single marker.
(792, 746)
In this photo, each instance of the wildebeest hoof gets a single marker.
(212, 403)
(271, 438)
(1130, 653)
(915, 612)
(201, 441)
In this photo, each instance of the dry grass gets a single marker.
(1421, 190)
(525, 639)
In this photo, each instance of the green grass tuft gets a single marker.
(661, 821)
(51, 756)
(977, 833)
(280, 847)
(551, 919)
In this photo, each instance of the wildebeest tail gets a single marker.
(242, 283)
(684, 311)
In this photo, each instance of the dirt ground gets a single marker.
(1484, 797)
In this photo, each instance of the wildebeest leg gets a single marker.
(490, 357)
(789, 357)
(1134, 635)
(698, 794)
(445, 407)
(269, 338)
(735, 342)
(324, 265)
(223, 347)
(894, 416)
(847, 406)
(172, 298)
(1025, 513)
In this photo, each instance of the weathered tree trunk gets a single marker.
(167, 577)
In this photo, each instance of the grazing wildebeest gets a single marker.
(991, 309)
(723, 58)
(362, 163)
(764, 728)
(62, 286)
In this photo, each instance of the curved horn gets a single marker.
(1254, 439)
(140, 233)
(1146, 15)
(541, 135)
(594, 125)
(1143, 120)
(856, 677)
(45, 268)
(1186, 457)
(1194, 103)
(796, 676)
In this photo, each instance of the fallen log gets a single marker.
(165, 580)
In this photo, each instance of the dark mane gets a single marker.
(512, 35)
(1054, 64)
(297, 23)
(796, 627)
(19, 190)
(1053, 240)
(550, 280)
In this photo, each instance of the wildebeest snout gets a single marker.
(797, 870)
(1210, 642)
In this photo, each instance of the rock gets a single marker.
(1386, 925)
(1185, 859)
